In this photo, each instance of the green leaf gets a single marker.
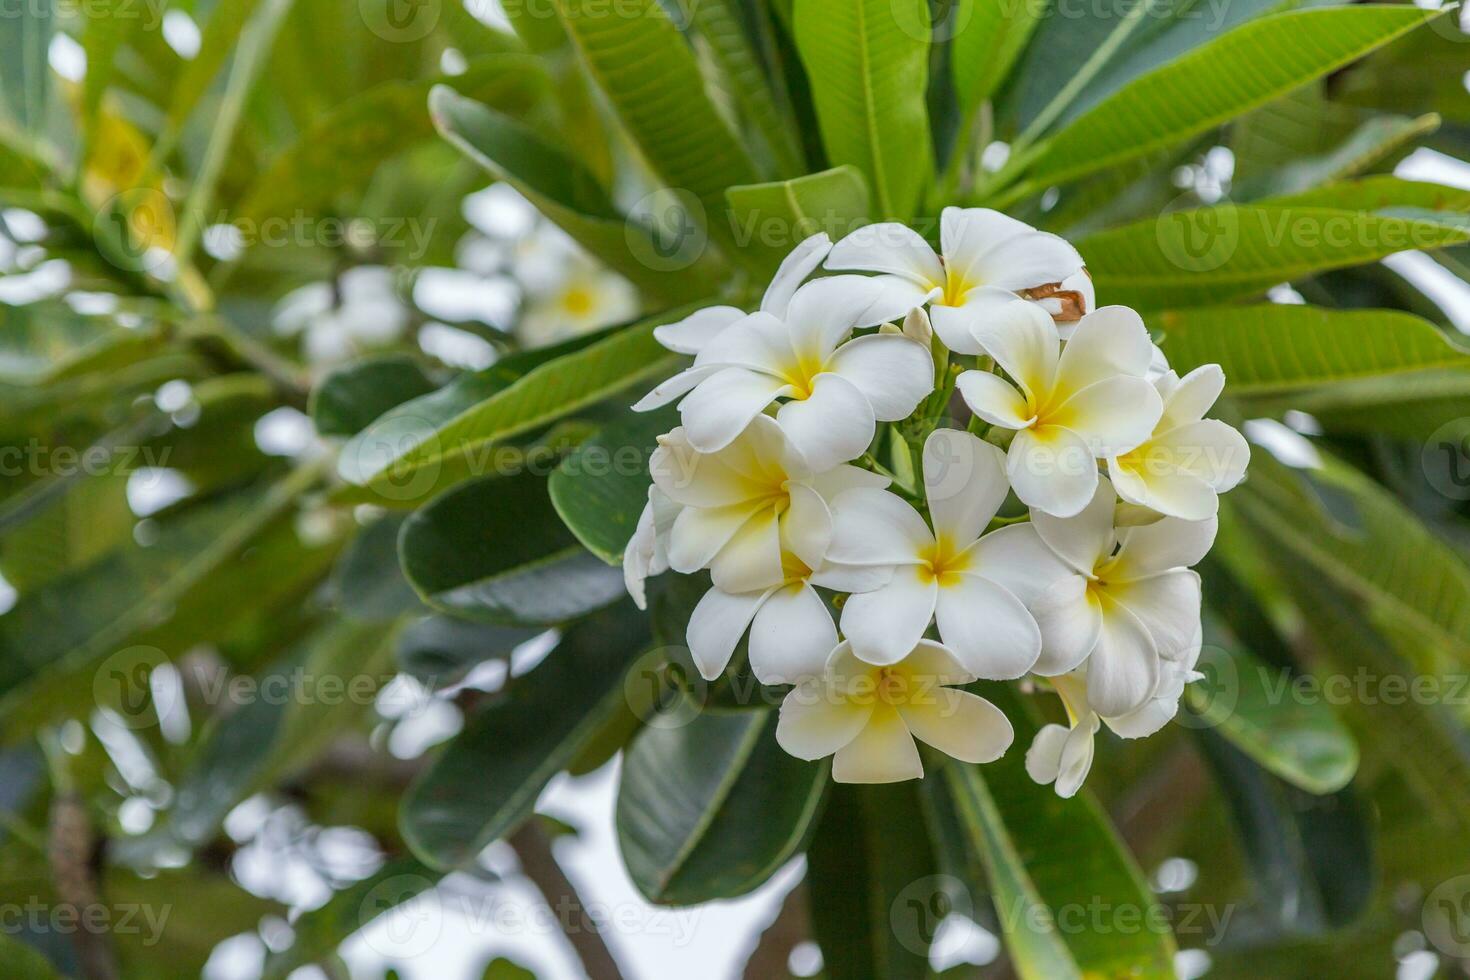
(1382, 193)
(601, 488)
(25, 962)
(25, 73)
(368, 580)
(487, 779)
(553, 179)
(990, 37)
(712, 808)
(1208, 255)
(1272, 348)
(1254, 706)
(340, 154)
(494, 550)
(438, 651)
(650, 76)
(868, 63)
(1248, 67)
(409, 445)
(772, 219)
(348, 399)
(1045, 854)
(872, 883)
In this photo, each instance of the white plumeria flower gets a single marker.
(836, 389)
(362, 311)
(987, 258)
(1131, 602)
(691, 334)
(647, 553)
(977, 588)
(1070, 405)
(758, 518)
(1189, 460)
(1062, 754)
(869, 716)
(589, 298)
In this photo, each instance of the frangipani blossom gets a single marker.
(869, 716)
(1062, 754)
(1189, 460)
(976, 587)
(757, 517)
(836, 389)
(988, 258)
(647, 553)
(1131, 603)
(1070, 405)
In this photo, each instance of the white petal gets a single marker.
(957, 325)
(964, 482)
(721, 406)
(988, 628)
(1052, 470)
(673, 389)
(989, 247)
(1044, 757)
(1192, 395)
(1147, 720)
(824, 312)
(1168, 606)
(792, 636)
(1023, 340)
(875, 527)
(1076, 760)
(1018, 559)
(751, 560)
(894, 298)
(893, 372)
(886, 624)
(960, 724)
(1209, 450)
(718, 622)
(689, 477)
(806, 527)
(1107, 342)
(888, 247)
(803, 260)
(917, 327)
(699, 533)
(646, 553)
(814, 725)
(994, 399)
(831, 427)
(1162, 545)
(1113, 415)
(1169, 492)
(1123, 669)
(835, 481)
(1084, 540)
(852, 578)
(883, 752)
(1070, 621)
(691, 334)
(759, 342)
(937, 664)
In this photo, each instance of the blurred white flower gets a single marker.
(362, 313)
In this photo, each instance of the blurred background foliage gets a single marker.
(292, 386)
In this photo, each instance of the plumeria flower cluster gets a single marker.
(1051, 537)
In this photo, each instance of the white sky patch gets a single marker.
(1291, 448)
(181, 33)
(152, 488)
(1445, 289)
(285, 431)
(67, 58)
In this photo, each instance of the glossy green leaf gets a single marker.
(368, 581)
(772, 219)
(495, 550)
(25, 73)
(409, 445)
(1208, 255)
(989, 38)
(1046, 855)
(1273, 348)
(868, 63)
(601, 488)
(24, 962)
(650, 76)
(348, 399)
(1212, 84)
(487, 779)
(438, 651)
(712, 808)
(875, 899)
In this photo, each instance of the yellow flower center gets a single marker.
(943, 562)
(577, 300)
(893, 687)
(956, 285)
(801, 373)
